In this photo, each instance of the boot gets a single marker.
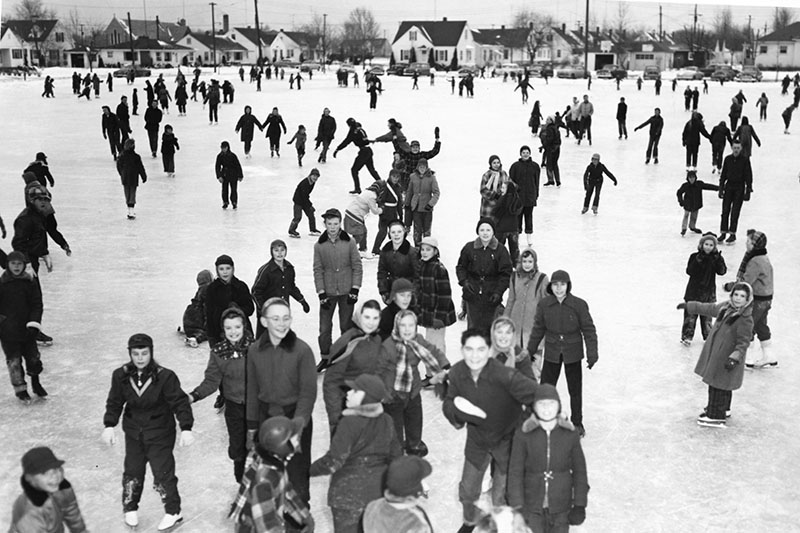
(767, 360)
(37, 388)
(169, 521)
(132, 519)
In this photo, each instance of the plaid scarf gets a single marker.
(404, 374)
(746, 259)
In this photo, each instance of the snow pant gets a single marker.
(407, 416)
(527, 216)
(213, 115)
(233, 187)
(323, 156)
(326, 321)
(152, 136)
(115, 145)
(168, 158)
(550, 374)
(734, 122)
(469, 489)
(247, 146)
(512, 238)
(652, 146)
(480, 316)
(423, 220)
(130, 195)
(236, 422)
(593, 187)
(690, 322)
(762, 113)
(364, 158)
(346, 520)
(158, 452)
(299, 466)
(622, 127)
(586, 128)
(298, 215)
(731, 208)
(717, 150)
(761, 309)
(275, 143)
(691, 154)
(543, 521)
(15, 352)
(553, 172)
(690, 219)
(719, 401)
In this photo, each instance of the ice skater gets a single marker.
(692, 131)
(130, 168)
(523, 85)
(247, 124)
(274, 123)
(169, 144)
(622, 115)
(152, 122)
(735, 188)
(593, 182)
(299, 140)
(720, 137)
(690, 198)
(194, 316)
(656, 127)
(703, 267)
(359, 138)
(111, 131)
(229, 173)
(787, 117)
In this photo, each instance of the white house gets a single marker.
(249, 39)
(204, 45)
(40, 43)
(780, 48)
(147, 52)
(446, 38)
(294, 46)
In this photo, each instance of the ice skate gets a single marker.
(584, 210)
(294, 235)
(683, 232)
(44, 339)
(705, 421)
(169, 521)
(24, 397)
(655, 161)
(721, 237)
(37, 388)
(731, 239)
(132, 519)
(696, 230)
(647, 161)
(191, 342)
(594, 210)
(686, 342)
(420, 451)
(314, 233)
(354, 192)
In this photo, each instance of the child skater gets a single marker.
(690, 198)
(435, 296)
(194, 317)
(302, 204)
(721, 363)
(593, 182)
(787, 117)
(169, 144)
(703, 268)
(300, 144)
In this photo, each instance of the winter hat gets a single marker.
(559, 276)
(492, 158)
(546, 391)
(550, 119)
(373, 387)
(16, 255)
(314, 172)
(759, 239)
(223, 260)
(225, 144)
(38, 192)
(401, 285)
(140, 340)
(332, 213)
(414, 143)
(39, 460)
(277, 243)
(742, 286)
(430, 241)
(40, 156)
(524, 147)
(422, 162)
(706, 237)
(691, 174)
(129, 143)
(29, 177)
(204, 277)
(350, 121)
(405, 474)
(485, 220)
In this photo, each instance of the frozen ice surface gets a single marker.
(651, 468)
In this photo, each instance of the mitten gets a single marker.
(108, 437)
(576, 515)
(144, 179)
(469, 288)
(429, 207)
(306, 307)
(437, 324)
(436, 133)
(186, 438)
(324, 301)
(591, 362)
(747, 195)
(352, 297)
(728, 286)
(731, 363)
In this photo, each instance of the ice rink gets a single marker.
(651, 468)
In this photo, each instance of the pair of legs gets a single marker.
(298, 215)
(323, 157)
(152, 136)
(357, 230)
(230, 189)
(16, 352)
(248, 143)
(762, 113)
(731, 208)
(690, 219)
(326, 321)
(652, 146)
(734, 123)
(553, 172)
(275, 144)
(115, 145)
(717, 150)
(690, 323)
(383, 226)
(527, 217)
(512, 238)
(719, 402)
(236, 422)
(622, 128)
(550, 374)
(130, 195)
(691, 155)
(586, 128)
(543, 521)
(364, 158)
(593, 188)
(168, 158)
(480, 315)
(158, 452)
(423, 220)
(213, 116)
(469, 489)
(407, 416)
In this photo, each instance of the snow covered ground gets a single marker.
(651, 468)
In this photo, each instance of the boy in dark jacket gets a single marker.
(20, 322)
(622, 115)
(111, 131)
(169, 144)
(41, 169)
(703, 268)
(194, 317)
(302, 204)
(229, 174)
(130, 168)
(525, 175)
(593, 182)
(690, 198)
(276, 279)
(227, 289)
(656, 126)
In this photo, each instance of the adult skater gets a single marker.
(124, 118)
(358, 137)
(135, 101)
(735, 187)
(735, 113)
(622, 114)
(130, 168)
(229, 173)
(374, 88)
(703, 267)
(656, 127)
(535, 119)
(695, 98)
(274, 123)
(658, 86)
(326, 130)
(720, 137)
(746, 134)
(181, 97)
(523, 85)
(111, 131)
(212, 98)
(41, 169)
(593, 182)
(152, 122)
(687, 98)
(585, 111)
(761, 104)
(525, 174)
(152, 399)
(96, 85)
(692, 131)
(247, 124)
(551, 146)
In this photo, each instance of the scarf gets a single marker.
(404, 374)
(494, 181)
(746, 259)
(351, 345)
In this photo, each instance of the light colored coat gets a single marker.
(526, 290)
(337, 265)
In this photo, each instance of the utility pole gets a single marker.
(749, 38)
(213, 35)
(130, 40)
(258, 36)
(660, 27)
(324, 42)
(586, 43)
(158, 22)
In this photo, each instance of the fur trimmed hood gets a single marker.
(532, 423)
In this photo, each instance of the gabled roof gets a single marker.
(507, 37)
(147, 28)
(251, 34)
(302, 38)
(146, 43)
(656, 46)
(222, 43)
(569, 37)
(438, 32)
(28, 30)
(789, 33)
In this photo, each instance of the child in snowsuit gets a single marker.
(361, 205)
(593, 182)
(690, 198)
(703, 268)
(300, 137)
(302, 204)
(721, 363)
(194, 317)
(169, 143)
(548, 482)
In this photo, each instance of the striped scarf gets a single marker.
(404, 374)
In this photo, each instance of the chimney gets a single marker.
(564, 28)
(182, 22)
(224, 23)
(502, 26)
(444, 19)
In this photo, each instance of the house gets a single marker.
(249, 38)
(41, 43)
(563, 47)
(366, 48)
(641, 54)
(780, 49)
(503, 45)
(118, 32)
(295, 46)
(447, 39)
(204, 45)
(147, 52)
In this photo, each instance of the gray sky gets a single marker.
(289, 14)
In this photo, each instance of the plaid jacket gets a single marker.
(435, 299)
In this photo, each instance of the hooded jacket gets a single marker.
(690, 195)
(20, 306)
(703, 270)
(247, 124)
(693, 130)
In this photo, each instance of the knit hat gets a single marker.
(759, 239)
(223, 260)
(277, 243)
(430, 241)
(708, 236)
(405, 474)
(373, 387)
(401, 285)
(16, 255)
(204, 277)
(39, 460)
(524, 147)
(40, 156)
(492, 158)
(485, 220)
(422, 162)
(546, 391)
(414, 143)
(332, 213)
(314, 172)
(140, 340)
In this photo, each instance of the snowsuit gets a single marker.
(169, 143)
(229, 170)
(274, 123)
(483, 272)
(702, 269)
(21, 312)
(130, 168)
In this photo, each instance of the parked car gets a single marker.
(710, 68)
(612, 72)
(570, 72)
(689, 73)
(603, 74)
(422, 69)
(138, 72)
(463, 72)
(397, 69)
(727, 74)
(749, 74)
(651, 72)
(308, 66)
(510, 68)
(347, 67)
(538, 71)
(285, 63)
(377, 70)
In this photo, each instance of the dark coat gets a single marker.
(151, 414)
(525, 174)
(435, 298)
(169, 143)
(152, 118)
(302, 194)
(703, 270)
(483, 271)
(690, 195)
(736, 173)
(395, 264)
(720, 134)
(357, 136)
(42, 172)
(274, 123)
(507, 210)
(656, 125)
(326, 128)
(692, 131)
(594, 174)
(130, 168)
(219, 297)
(565, 327)
(110, 126)
(550, 137)
(20, 305)
(411, 158)
(247, 124)
(228, 167)
(622, 111)
(30, 234)
(274, 281)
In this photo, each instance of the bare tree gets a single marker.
(33, 9)
(782, 17)
(622, 20)
(322, 32)
(725, 31)
(84, 32)
(361, 25)
(539, 28)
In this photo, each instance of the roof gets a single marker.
(166, 30)
(789, 33)
(302, 38)
(508, 37)
(28, 30)
(251, 34)
(569, 37)
(438, 32)
(657, 47)
(146, 43)
(222, 43)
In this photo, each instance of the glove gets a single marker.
(576, 515)
(495, 298)
(108, 437)
(4, 231)
(334, 153)
(308, 527)
(728, 286)
(352, 298)
(721, 194)
(470, 289)
(436, 133)
(747, 195)
(324, 301)
(186, 439)
(219, 180)
(144, 179)
(306, 307)
(590, 363)
(731, 363)
(104, 136)
(616, 183)
(428, 207)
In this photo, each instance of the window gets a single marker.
(404, 55)
(412, 36)
(441, 56)
(558, 54)
(645, 56)
(505, 54)
(158, 56)
(290, 52)
(461, 55)
(110, 55)
(188, 40)
(16, 53)
(469, 55)
(783, 49)
(237, 56)
(59, 37)
(205, 56)
(167, 56)
(762, 49)
(128, 56)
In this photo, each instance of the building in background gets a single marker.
(37, 43)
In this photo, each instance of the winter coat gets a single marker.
(30, 234)
(692, 131)
(690, 195)
(594, 174)
(537, 453)
(247, 124)
(507, 210)
(152, 118)
(758, 273)
(226, 366)
(337, 265)
(423, 191)
(110, 126)
(622, 111)
(227, 166)
(729, 337)
(736, 110)
(361, 449)
(274, 124)
(360, 206)
(525, 292)
(736, 174)
(395, 264)
(483, 272)
(274, 281)
(656, 125)
(585, 109)
(302, 193)
(130, 168)
(390, 357)
(212, 96)
(149, 415)
(194, 317)
(411, 158)
(326, 128)
(180, 95)
(435, 297)
(353, 354)
(36, 511)
(169, 143)
(490, 190)
(525, 174)
(550, 137)
(565, 327)
(42, 172)
(720, 134)
(355, 135)
(746, 135)
(20, 306)
(703, 269)
(383, 516)
(219, 297)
